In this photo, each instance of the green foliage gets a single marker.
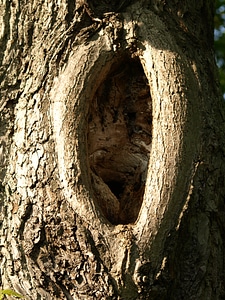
(219, 34)
(10, 293)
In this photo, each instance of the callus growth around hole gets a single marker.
(119, 141)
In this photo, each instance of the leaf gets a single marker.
(10, 293)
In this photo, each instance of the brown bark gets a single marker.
(112, 151)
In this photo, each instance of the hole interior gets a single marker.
(117, 187)
(119, 140)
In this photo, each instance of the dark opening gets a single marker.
(119, 140)
(116, 187)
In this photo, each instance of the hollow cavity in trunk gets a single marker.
(119, 140)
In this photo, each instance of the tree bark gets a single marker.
(112, 151)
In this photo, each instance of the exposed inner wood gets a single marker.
(119, 141)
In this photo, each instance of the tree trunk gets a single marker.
(112, 151)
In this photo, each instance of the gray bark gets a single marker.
(112, 151)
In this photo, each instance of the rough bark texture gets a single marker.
(111, 150)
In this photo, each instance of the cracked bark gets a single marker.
(112, 151)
